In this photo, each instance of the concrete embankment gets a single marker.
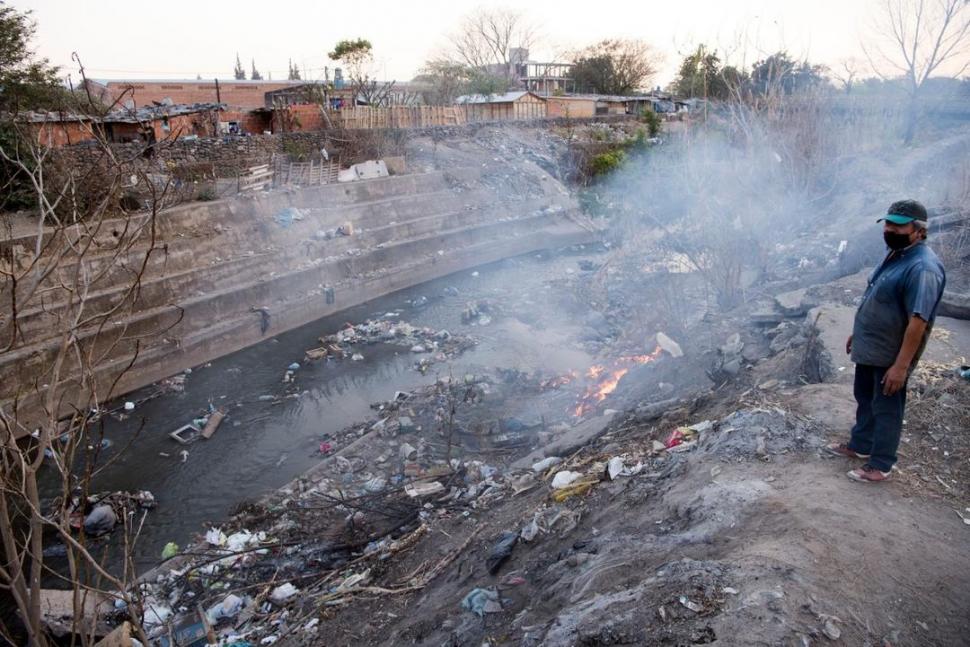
(226, 274)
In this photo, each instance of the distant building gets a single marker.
(148, 125)
(515, 105)
(592, 105)
(147, 92)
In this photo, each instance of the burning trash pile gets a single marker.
(433, 345)
(604, 379)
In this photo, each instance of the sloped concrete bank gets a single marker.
(229, 273)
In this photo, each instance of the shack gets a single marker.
(502, 107)
(150, 125)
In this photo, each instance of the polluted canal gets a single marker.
(516, 315)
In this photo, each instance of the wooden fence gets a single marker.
(254, 178)
(312, 173)
(398, 117)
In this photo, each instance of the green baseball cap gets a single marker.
(904, 212)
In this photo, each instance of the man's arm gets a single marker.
(895, 377)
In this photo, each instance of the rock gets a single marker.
(732, 367)
(795, 303)
(766, 317)
(954, 305)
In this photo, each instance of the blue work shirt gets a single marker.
(908, 282)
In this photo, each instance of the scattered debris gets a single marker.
(482, 601)
(501, 551)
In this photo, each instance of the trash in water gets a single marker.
(215, 419)
(129, 406)
(295, 366)
(171, 550)
(186, 434)
(482, 601)
(100, 521)
(230, 607)
(215, 537)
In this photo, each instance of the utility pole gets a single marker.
(218, 95)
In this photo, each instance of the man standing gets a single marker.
(891, 327)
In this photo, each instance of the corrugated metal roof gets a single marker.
(507, 97)
(605, 97)
(148, 113)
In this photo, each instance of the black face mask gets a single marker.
(896, 241)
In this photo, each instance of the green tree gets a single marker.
(294, 74)
(700, 76)
(255, 75)
(26, 83)
(356, 56)
(778, 73)
(614, 66)
(238, 72)
(446, 80)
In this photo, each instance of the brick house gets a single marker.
(148, 125)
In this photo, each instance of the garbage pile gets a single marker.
(432, 345)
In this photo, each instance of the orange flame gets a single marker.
(595, 394)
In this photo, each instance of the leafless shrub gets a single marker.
(52, 274)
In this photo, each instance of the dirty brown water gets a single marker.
(262, 446)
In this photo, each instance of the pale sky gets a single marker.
(179, 38)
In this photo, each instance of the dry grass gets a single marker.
(936, 448)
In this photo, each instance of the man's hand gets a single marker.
(848, 345)
(894, 379)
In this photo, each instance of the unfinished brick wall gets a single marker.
(235, 94)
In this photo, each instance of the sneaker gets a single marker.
(842, 449)
(868, 474)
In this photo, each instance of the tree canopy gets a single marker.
(614, 66)
(238, 72)
(26, 82)
(779, 73)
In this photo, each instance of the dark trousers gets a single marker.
(878, 418)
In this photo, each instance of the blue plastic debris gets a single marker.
(481, 601)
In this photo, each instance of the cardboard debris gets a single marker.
(212, 424)
(417, 490)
